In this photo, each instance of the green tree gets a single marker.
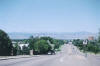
(78, 43)
(32, 41)
(93, 47)
(5, 44)
(17, 49)
(41, 46)
(99, 36)
(48, 38)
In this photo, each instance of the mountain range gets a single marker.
(63, 35)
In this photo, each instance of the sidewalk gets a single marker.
(15, 57)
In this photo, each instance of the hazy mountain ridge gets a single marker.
(63, 35)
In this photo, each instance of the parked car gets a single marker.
(52, 52)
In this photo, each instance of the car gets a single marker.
(49, 53)
(52, 52)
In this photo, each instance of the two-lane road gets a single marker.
(69, 56)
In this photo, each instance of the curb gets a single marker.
(7, 58)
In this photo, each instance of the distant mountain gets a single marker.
(16, 35)
(64, 35)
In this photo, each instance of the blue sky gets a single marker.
(49, 15)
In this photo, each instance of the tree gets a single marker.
(99, 36)
(5, 44)
(93, 47)
(32, 41)
(48, 38)
(41, 46)
(16, 49)
(78, 43)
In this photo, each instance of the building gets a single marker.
(20, 48)
(22, 45)
(90, 38)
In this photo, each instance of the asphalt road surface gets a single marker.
(69, 56)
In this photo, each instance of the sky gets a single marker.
(50, 15)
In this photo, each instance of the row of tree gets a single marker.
(91, 46)
(40, 45)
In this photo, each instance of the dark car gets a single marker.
(52, 52)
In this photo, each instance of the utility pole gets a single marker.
(85, 42)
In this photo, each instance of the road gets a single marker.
(69, 56)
